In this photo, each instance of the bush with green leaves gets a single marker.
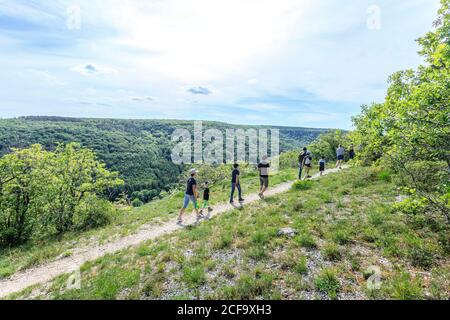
(410, 132)
(93, 212)
(46, 193)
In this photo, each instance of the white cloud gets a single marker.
(91, 69)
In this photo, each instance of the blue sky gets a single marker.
(277, 62)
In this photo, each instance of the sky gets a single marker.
(305, 63)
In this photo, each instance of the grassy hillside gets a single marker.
(347, 225)
(140, 150)
(127, 221)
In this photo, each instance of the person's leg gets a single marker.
(185, 205)
(265, 185)
(233, 187)
(239, 191)
(300, 172)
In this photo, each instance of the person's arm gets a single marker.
(194, 190)
(238, 177)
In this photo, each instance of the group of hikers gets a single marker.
(305, 160)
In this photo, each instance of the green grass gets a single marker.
(328, 282)
(238, 254)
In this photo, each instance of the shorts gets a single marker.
(322, 167)
(308, 165)
(340, 158)
(264, 181)
(189, 198)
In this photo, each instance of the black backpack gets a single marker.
(301, 157)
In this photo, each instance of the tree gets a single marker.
(75, 172)
(22, 181)
(43, 192)
(412, 126)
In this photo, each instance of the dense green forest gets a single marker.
(140, 150)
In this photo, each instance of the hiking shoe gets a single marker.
(180, 222)
(241, 200)
(210, 210)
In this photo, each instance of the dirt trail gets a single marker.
(46, 272)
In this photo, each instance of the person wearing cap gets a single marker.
(263, 168)
(190, 195)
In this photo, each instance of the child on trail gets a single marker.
(205, 205)
(307, 164)
(340, 152)
(190, 195)
(351, 152)
(263, 168)
(322, 163)
(301, 157)
(235, 183)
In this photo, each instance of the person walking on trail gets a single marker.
(263, 168)
(205, 204)
(307, 164)
(351, 152)
(236, 183)
(301, 157)
(190, 195)
(322, 163)
(340, 152)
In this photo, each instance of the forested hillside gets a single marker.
(140, 150)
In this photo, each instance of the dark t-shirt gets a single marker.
(264, 170)
(190, 184)
(234, 175)
(206, 194)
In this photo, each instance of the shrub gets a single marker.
(403, 287)
(385, 176)
(301, 266)
(331, 252)
(41, 191)
(306, 240)
(136, 203)
(194, 277)
(327, 282)
(93, 212)
(302, 185)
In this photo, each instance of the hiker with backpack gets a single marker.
(191, 195)
(301, 158)
(307, 164)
